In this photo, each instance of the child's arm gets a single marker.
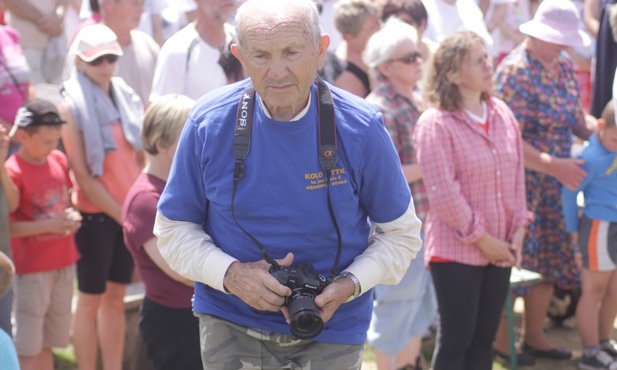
(569, 208)
(62, 224)
(10, 189)
(569, 204)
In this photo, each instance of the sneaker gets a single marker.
(610, 347)
(601, 361)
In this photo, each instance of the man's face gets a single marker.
(127, 11)
(282, 60)
(370, 25)
(221, 10)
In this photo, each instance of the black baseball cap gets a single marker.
(36, 112)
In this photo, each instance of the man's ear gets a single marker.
(324, 42)
(601, 124)
(234, 50)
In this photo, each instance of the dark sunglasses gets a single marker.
(110, 58)
(408, 59)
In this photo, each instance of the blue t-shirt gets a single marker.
(599, 187)
(8, 354)
(281, 199)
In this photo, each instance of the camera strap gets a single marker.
(328, 155)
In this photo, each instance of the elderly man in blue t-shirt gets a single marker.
(273, 185)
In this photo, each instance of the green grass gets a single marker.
(369, 354)
(64, 358)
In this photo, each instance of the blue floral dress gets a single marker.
(547, 106)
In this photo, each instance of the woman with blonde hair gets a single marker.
(169, 329)
(470, 154)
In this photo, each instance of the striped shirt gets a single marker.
(474, 180)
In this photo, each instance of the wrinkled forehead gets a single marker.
(276, 31)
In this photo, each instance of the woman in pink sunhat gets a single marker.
(537, 81)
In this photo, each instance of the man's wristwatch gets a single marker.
(356, 283)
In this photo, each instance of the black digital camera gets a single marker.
(305, 284)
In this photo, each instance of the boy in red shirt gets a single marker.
(42, 223)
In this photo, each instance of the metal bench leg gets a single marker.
(511, 337)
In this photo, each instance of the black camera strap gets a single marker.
(328, 156)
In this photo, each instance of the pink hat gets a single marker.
(556, 21)
(96, 40)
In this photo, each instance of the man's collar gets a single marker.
(297, 117)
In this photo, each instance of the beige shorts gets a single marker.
(43, 310)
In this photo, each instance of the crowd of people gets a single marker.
(291, 179)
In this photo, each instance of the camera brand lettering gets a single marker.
(244, 110)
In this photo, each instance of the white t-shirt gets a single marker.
(136, 66)
(444, 19)
(174, 16)
(151, 7)
(517, 14)
(496, 34)
(192, 75)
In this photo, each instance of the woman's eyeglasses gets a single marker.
(110, 58)
(408, 59)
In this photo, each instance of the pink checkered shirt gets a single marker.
(474, 180)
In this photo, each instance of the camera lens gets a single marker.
(306, 322)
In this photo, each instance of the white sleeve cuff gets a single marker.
(390, 251)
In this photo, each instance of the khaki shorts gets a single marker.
(225, 345)
(43, 310)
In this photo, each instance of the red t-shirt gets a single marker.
(43, 193)
(138, 216)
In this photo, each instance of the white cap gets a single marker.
(95, 41)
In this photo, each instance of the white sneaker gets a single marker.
(610, 347)
(601, 361)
